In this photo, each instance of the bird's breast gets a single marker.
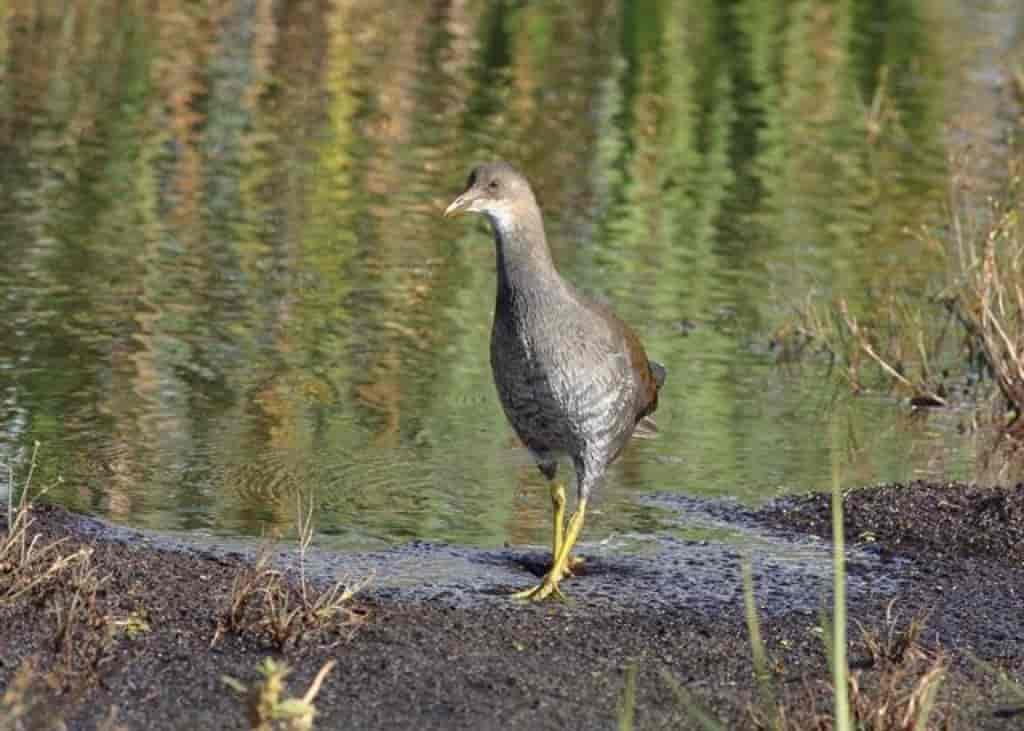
(559, 388)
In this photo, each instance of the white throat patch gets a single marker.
(501, 218)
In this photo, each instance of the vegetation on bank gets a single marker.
(901, 697)
(266, 602)
(269, 605)
(959, 344)
(959, 340)
(893, 685)
(65, 583)
(267, 709)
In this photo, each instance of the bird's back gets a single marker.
(572, 377)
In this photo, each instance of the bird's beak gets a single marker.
(460, 204)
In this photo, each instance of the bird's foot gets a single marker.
(574, 564)
(548, 587)
(562, 561)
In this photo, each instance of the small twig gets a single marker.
(314, 687)
(10, 495)
(32, 466)
(865, 345)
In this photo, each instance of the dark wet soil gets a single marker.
(467, 658)
(929, 521)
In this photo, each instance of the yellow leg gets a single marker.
(558, 526)
(549, 585)
(558, 504)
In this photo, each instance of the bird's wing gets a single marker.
(646, 428)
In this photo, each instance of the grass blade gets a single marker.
(694, 709)
(765, 687)
(840, 669)
(627, 706)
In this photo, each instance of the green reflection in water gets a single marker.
(226, 277)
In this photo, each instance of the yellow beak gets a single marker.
(458, 205)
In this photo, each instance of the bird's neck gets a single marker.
(525, 268)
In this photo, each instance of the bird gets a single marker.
(573, 379)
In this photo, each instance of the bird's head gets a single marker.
(495, 189)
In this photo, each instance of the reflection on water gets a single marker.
(226, 278)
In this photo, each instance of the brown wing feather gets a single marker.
(651, 377)
(652, 374)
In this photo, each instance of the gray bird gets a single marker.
(572, 377)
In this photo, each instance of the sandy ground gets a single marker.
(465, 657)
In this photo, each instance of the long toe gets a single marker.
(547, 588)
(573, 566)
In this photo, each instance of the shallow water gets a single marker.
(226, 280)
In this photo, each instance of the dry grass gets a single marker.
(902, 696)
(83, 632)
(970, 328)
(897, 692)
(910, 350)
(30, 567)
(65, 585)
(900, 341)
(27, 703)
(895, 645)
(264, 601)
(903, 700)
(987, 294)
(266, 706)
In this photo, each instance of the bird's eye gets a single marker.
(493, 185)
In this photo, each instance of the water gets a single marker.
(226, 280)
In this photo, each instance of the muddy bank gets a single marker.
(455, 653)
(921, 519)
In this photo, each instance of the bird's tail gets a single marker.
(659, 373)
(646, 428)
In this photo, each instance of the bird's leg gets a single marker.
(558, 505)
(549, 584)
(558, 526)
